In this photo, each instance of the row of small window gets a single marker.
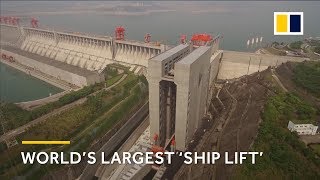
(170, 64)
(301, 126)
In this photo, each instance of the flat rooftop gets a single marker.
(61, 65)
(169, 53)
(194, 55)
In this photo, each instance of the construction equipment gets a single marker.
(147, 38)
(183, 39)
(34, 23)
(119, 33)
(156, 149)
(201, 39)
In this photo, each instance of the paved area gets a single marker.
(310, 139)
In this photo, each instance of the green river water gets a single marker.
(17, 86)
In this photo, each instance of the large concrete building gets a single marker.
(179, 81)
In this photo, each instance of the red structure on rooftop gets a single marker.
(183, 39)
(147, 38)
(34, 23)
(119, 33)
(200, 39)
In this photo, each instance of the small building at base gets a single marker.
(303, 129)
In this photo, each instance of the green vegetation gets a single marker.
(314, 42)
(16, 116)
(316, 148)
(113, 80)
(317, 49)
(284, 156)
(307, 75)
(83, 124)
(296, 45)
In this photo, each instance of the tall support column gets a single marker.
(55, 37)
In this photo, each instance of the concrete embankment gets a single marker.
(29, 105)
(38, 75)
(236, 64)
(55, 69)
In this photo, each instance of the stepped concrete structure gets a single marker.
(89, 52)
(79, 52)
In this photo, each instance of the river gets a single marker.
(17, 86)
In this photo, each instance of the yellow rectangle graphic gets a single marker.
(45, 142)
(282, 23)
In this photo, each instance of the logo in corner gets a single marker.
(288, 23)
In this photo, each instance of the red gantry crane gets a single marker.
(119, 33)
(34, 23)
(200, 39)
(147, 38)
(183, 39)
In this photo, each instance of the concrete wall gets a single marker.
(236, 64)
(154, 78)
(135, 52)
(158, 67)
(10, 35)
(54, 71)
(192, 77)
(90, 52)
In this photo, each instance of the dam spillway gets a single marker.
(94, 53)
(85, 51)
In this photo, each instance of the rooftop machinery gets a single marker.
(183, 39)
(201, 39)
(147, 38)
(119, 33)
(34, 23)
(15, 21)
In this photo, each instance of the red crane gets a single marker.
(15, 21)
(5, 19)
(183, 39)
(147, 38)
(155, 137)
(201, 39)
(119, 33)
(34, 23)
(10, 20)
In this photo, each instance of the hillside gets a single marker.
(251, 114)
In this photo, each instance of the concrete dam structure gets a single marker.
(87, 53)
(92, 53)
